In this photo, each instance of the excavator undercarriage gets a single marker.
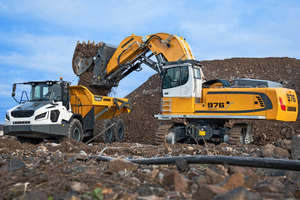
(199, 131)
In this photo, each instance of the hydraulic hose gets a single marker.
(230, 160)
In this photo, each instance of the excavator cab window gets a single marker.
(175, 76)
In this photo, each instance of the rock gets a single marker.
(172, 195)
(206, 192)
(234, 181)
(276, 172)
(229, 149)
(160, 177)
(119, 164)
(295, 147)
(274, 187)
(239, 193)
(152, 197)
(189, 148)
(41, 149)
(268, 151)
(269, 195)
(285, 144)
(34, 195)
(149, 191)
(182, 165)
(194, 188)
(201, 179)
(244, 170)
(281, 153)
(54, 144)
(213, 177)
(15, 164)
(128, 196)
(293, 177)
(78, 186)
(176, 180)
(297, 194)
(288, 132)
(154, 173)
(81, 156)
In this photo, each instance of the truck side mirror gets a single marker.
(14, 90)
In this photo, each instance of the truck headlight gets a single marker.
(41, 116)
(7, 117)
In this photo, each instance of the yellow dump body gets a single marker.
(235, 103)
(83, 101)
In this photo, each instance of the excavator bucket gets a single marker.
(83, 56)
(90, 64)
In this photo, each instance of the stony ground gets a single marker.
(66, 171)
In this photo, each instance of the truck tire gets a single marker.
(75, 130)
(109, 134)
(119, 130)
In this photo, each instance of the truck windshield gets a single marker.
(45, 92)
(175, 76)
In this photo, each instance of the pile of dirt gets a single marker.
(141, 124)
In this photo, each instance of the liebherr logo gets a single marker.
(127, 42)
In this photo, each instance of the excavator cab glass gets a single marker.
(175, 76)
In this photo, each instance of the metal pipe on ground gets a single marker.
(230, 160)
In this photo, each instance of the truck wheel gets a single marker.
(109, 134)
(119, 130)
(75, 130)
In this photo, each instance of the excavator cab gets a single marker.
(182, 79)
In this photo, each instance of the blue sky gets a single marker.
(37, 38)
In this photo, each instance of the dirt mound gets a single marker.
(141, 124)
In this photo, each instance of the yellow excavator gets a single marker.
(193, 108)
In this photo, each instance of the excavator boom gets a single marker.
(110, 64)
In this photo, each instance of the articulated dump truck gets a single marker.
(193, 109)
(55, 110)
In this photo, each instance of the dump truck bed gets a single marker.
(83, 101)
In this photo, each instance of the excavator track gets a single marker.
(161, 133)
(236, 136)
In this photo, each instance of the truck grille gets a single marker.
(22, 122)
(22, 113)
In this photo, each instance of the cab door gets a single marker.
(197, 83)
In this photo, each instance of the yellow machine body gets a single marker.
(235, 103)
(170, 46)
(83, 101)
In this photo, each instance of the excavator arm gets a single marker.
(110, 64)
